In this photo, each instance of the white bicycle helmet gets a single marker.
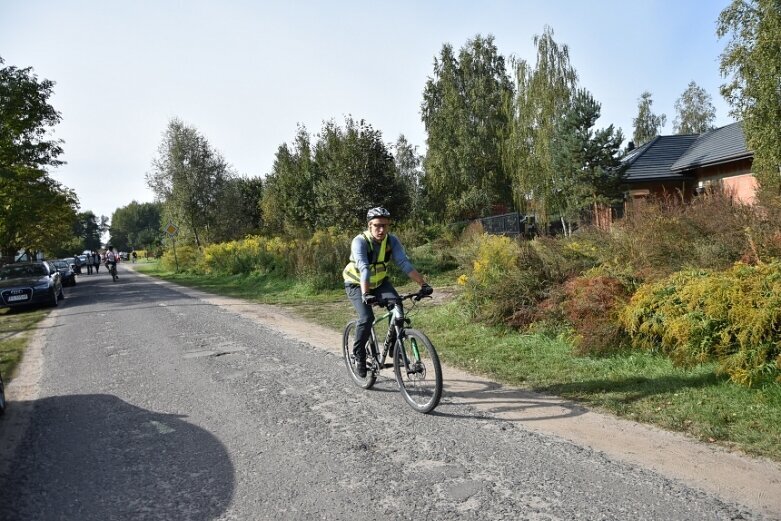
(377, 212)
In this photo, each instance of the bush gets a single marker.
(185, 258)
(592, 305)
(502, 278)
(319, 261)
(252, 254)
(732, 317)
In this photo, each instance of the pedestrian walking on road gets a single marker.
(96, 261)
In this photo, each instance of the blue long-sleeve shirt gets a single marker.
(360, 254)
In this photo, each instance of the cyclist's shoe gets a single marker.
(360, 368)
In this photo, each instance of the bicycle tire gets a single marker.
(421, 389)
(349, 360)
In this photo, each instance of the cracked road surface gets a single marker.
(138, 400)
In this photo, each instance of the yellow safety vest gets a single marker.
(378, 271)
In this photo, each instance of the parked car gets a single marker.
(72, 263)
(67, 275)
(26, 283)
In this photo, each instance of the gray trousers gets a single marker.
(365, 314)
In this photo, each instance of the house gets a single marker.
(690, 163)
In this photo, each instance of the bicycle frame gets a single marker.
(399, 322)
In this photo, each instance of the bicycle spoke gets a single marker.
(418, 371)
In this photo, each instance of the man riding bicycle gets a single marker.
(365, 277)
(111, 261)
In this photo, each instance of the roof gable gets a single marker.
(716, 146)
(670, 158)
(653, 160)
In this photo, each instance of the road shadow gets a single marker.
(491, 400)
(637, 387)
(96, 457)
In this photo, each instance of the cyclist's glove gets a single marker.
(368, 299)
(426, 290)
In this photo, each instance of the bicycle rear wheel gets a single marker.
(421, 384)
(348, 339)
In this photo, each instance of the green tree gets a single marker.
(752, 63)
(543, 95)
(288, 201)
(244, 195)
(25, 117)
(408, 165)
(463, 114)
(35, 211)
(189, 178)
(136, 226)
(87, 229)
(647, 124)
(694, 110)
(586, 160)
(356, 172)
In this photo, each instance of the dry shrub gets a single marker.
(664, 234)
(592, 305)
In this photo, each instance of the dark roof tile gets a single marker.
(652, 161)
(716, 146)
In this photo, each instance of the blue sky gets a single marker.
(246, 73)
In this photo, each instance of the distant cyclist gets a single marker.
(365, 277)
(111, 261)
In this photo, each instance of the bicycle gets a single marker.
(112, 269)
(415, 361)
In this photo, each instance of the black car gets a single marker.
(66, 272)
(24, 283)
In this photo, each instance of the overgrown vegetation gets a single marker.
(698, 282)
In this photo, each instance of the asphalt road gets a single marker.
(152, 404)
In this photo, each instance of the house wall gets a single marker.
(641, 191)
(735, 177)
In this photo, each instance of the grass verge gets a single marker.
(15, 326)
(639, 386)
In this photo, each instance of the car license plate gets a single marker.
(16, 298)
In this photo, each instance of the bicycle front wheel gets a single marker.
(420, 378)
(348, 340)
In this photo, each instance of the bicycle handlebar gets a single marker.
(406, 296)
